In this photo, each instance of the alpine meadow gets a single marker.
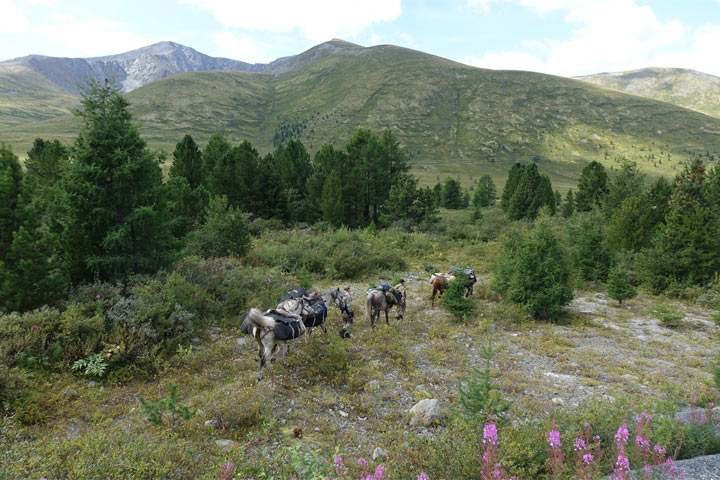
(355, 262)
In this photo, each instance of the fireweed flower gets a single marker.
(641, 442)
(579, 444)
(622, 434)
(490, 433)
(659, 450)
(588, 458)
(423, 476)
(554, 439)
(623, 462)
(362, 462)
(379, 472)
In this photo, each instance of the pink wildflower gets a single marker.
(659, 450)
(623, 462)
(362, 462)
(622, 434)
(35, 327)
(554, 439)
(490, 434)
(379, 472)
(588, 458)
(423, 476)
(579, 444)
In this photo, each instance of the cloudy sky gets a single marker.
(563, 37)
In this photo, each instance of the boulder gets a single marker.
(426, 412)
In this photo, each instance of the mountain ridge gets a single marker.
(685, 87)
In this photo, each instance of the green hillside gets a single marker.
(452, 118)
(686, 88)
(26, 96)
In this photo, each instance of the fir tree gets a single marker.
(332, 200)
(117, 218)
(618, 286)
(452, 196)
(568, 206)
(592, 187)
(534, 272)
(591, 253)
(224, 232)
(485, 193)
(626, 184)
(11, 176)
(187, 162)
(631, 226)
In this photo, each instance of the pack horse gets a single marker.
(441, 281)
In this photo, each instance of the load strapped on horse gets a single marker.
(440, 281)
(310, 306)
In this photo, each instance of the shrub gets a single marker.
(323, 358)
(167, 409)
(669, 316)
(481, 397)
(454, 300)
(224, 232)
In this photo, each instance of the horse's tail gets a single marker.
(258, 320)
(368, 308)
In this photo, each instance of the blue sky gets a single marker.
(563, 37)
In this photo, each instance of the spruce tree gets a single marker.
(187, 162)
(11, 176)
(591, 253)
(618, 286)
(485, 193)
(568, 207)
(534, 272)
(46, 161)
(332, 200)
(684, 249)
(631, 226)
(626, 184)
(117, 218)
(532, 192)
(516, 171)
(452, 196)
(592, 187)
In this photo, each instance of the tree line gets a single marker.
(100, 209)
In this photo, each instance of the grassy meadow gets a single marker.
(598, 363)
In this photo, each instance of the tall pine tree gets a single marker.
(593, 186)
(117, 221)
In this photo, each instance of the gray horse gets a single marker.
(378, 300)
(343, 301)
(269, 334)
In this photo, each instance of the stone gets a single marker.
(73, 430)
(342, 414)
(558, 401)
(70, 393)
(212, 424)
(379, 454)
(92, 383)
(225, 444)
(241, 342)
(195, 340)
(426, 412)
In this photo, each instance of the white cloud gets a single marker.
(97, 37)
(483, 5)
(14, 18)
(239, 48)
(607, 35)
(316, 20)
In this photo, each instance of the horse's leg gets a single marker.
(432, 298)
(387, 312)
(263, 362)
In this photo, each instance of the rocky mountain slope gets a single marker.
(680, 86)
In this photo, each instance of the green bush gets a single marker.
(533, 271)
(454, 300)
(323, 358)
(669, 316)
(224, 232)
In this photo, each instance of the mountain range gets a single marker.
(452, 118)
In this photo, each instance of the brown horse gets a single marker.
(378, 300)
(441, 282)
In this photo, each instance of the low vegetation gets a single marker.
(121, 354)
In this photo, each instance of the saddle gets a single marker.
(314, 304)
(287, 325)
